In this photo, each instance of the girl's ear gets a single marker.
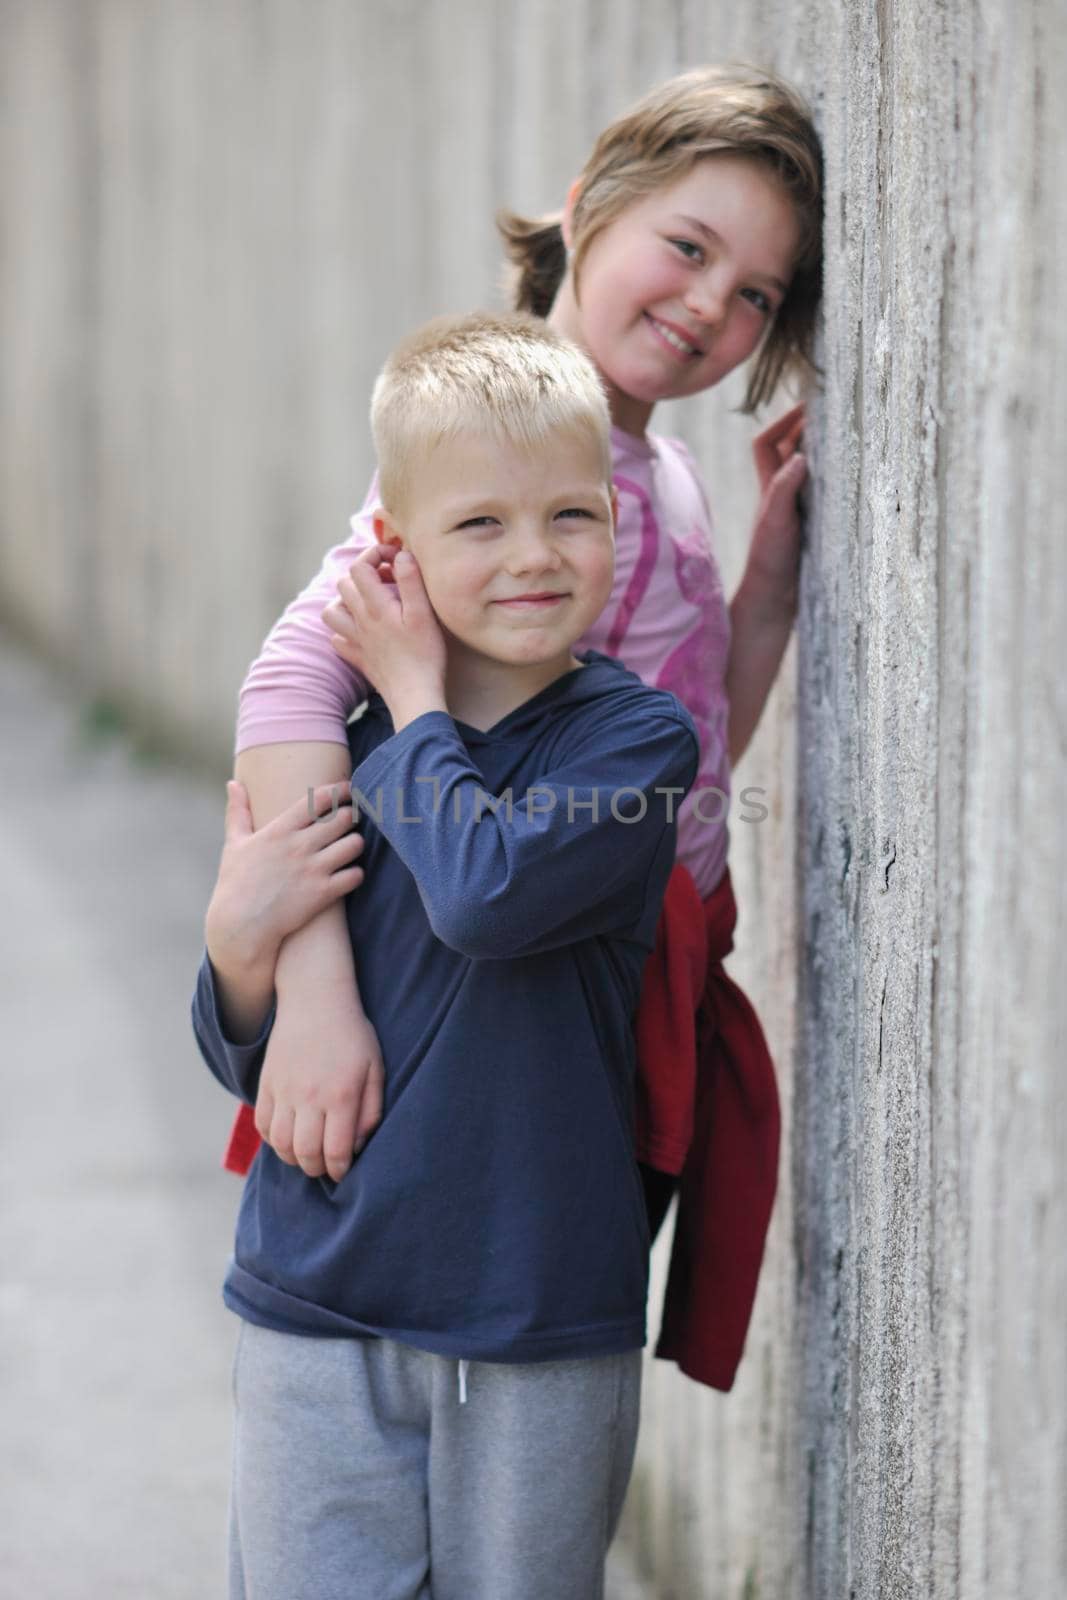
(385, 529)
(568, 213)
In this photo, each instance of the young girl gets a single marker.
(689, 243)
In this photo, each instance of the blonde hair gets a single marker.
(738, 110)
(501, 374)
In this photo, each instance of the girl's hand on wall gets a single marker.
(774, 556)
(273, 880)
(385, 627)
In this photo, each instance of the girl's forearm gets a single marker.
(760, 625)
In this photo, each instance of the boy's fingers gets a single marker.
(338, 1138)
(281, 1134)
(264, 1113)
(351, 595)
(370, 1109)
(413, 597)
(307, 1141)
(374, 555)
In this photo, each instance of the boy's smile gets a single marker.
(516, 550)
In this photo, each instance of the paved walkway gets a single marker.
(116, 1218)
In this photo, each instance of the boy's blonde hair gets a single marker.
(498, 374)
(737, 110)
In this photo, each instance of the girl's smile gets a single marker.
(681, 287)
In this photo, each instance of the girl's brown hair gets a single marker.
(739, 110)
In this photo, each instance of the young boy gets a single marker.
(438, 1371)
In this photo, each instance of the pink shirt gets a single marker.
(667, 620)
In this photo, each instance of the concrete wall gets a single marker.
(219, 216)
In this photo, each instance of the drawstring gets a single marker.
(463, 1382)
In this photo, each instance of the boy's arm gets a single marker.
(503, 876)
(763, 609)
(235, 1062)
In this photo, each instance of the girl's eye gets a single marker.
(691, 251)
(759, 300)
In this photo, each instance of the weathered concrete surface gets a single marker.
(223, 216)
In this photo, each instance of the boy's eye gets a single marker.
(689, 249)
(477, 522)
(575, 511)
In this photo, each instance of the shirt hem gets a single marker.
(601, 1340)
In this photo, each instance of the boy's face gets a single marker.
(516, 547)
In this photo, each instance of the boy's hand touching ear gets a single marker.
(385, 627)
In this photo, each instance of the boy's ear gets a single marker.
(614, 506)
(385, 529)
(568, 213)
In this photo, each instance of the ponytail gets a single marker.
(538, 259)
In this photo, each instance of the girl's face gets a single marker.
(680, 288)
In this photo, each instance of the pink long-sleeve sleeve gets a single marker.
(298, 687)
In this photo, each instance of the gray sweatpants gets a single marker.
(368, 1470)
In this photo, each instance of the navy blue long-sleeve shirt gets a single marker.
(513, 883)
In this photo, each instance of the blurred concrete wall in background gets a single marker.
(219, 216)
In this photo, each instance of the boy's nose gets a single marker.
(533, 554)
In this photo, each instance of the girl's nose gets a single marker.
(707, 300)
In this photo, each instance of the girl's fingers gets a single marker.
(238, 821)
(330, 801)
(789, 479)
(789, 419)
(332, 823)
(342, 853)
(342, 883)
(772, 460)
(767, 441)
